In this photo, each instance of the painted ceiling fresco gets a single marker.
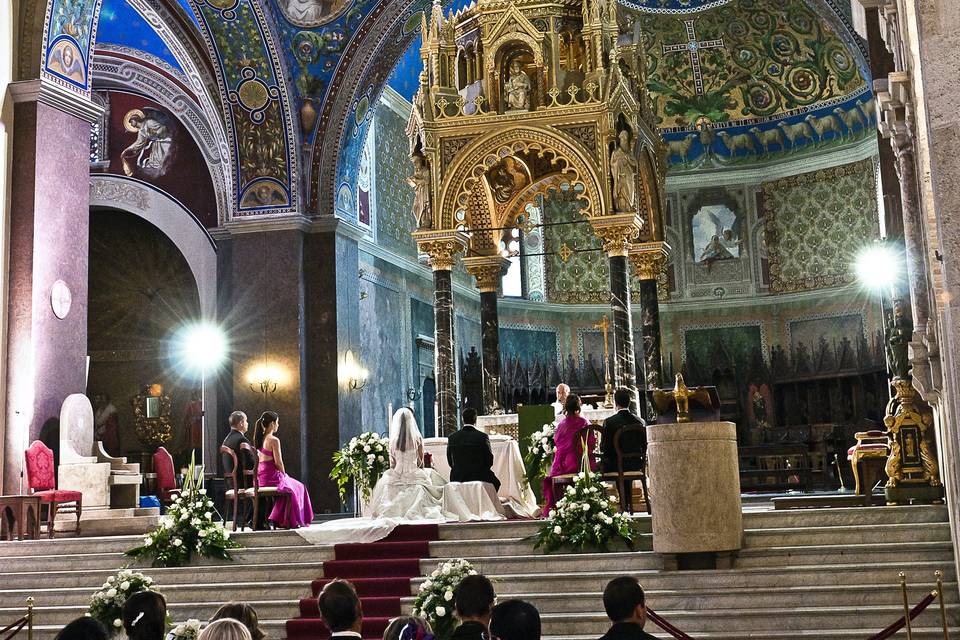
(121, 25)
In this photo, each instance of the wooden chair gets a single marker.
(559, 482)
(166, 482)
(868, 458)
(43, 484)
(256, 492)
(630, 476)
(234, 492)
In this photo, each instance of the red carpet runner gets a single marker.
(380, 571)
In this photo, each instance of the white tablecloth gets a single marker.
(507, 466)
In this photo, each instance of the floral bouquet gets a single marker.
(435, 599)
(188, 630)
(363, 460)
(186, 528)
(107, 603)
(540, 452)
(585, 518)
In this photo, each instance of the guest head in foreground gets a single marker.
(225, 629)
(473, 601)
(144, 616)
(244, 613)
(340, 608)
(515, 620)
(571, 406)
(84, 628)
(624, 603)
(267, 424)
(238, 421)
(469, 416)
(622, 397)
(408, 628)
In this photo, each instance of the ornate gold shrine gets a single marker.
(520, 97)
(912, 470)
(151, 416)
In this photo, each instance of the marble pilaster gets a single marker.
(649, 260)
(488, 271)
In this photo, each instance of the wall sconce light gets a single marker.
(264, 379)
(352, 375)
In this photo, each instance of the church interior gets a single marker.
(347, 217)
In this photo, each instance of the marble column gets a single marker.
(912, 235)
(442, 247)
(648, 261)
(48, 247)
(488, 271)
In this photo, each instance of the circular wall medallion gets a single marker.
(60, 299)
(253, 94)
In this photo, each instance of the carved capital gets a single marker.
(488, 270)
(441, 247)
(649, 259)
(617, 232)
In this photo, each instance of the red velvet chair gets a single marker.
(43, 484)
(166, 475)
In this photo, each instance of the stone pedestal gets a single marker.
(694, 487)
(92, 479)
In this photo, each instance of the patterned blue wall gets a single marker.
(528, 345)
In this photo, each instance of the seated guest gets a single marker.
(408, 628)
(568, 452)
(84, 628)
(244, 613)
(473, 602)
(515, 620)
(469, 453)
(292, 508)
(623, 601)
(631, 443)
(236, 437)
(144, 616)
(225, 629)
(562, 392)
(340, 609)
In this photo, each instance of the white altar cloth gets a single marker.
(507, 466)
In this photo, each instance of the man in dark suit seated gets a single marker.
(623, 600)
(236, 437)
(469, 453)
(635, 442)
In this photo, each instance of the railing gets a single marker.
(17, 625)
(460, 107)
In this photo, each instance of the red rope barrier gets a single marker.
(22, 622)
(901, 623)
(666, 626)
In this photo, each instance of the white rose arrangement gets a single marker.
(188, 630)
(186, 528)
(540, 450)
(585, 518)
(106, 603)
(362, 460)
(435, 598)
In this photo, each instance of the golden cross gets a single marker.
(603, 325)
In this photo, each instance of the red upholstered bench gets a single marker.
(43, 484)
(868, 458)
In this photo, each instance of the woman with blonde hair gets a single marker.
(225, 629)
(244, 613)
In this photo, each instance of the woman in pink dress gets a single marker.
(292, 508)
(568, 451)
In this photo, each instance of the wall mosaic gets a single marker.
(816, 223)
(71, 31)
(394, 197)
(831, 342)
(120, 24)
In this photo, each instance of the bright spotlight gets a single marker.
(200, 348)
(878, 267)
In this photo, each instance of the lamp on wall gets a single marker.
(264, 379)
(352, 375)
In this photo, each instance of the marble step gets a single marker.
(884, 554)
(707, 600)
(858, 516)
(869, 575)
(866, 619)
(513, 546)
(849, 534)
(96, 527)
(514, 529)
(194, 574)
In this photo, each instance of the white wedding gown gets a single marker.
(408, 493)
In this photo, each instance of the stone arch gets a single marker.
(482, 154)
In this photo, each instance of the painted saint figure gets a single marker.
(517, 88)
(152, 151)
(623, 168)
(420, 181)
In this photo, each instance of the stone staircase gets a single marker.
(810, 573)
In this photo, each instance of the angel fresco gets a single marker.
(715, 236)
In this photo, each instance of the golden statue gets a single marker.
(681, 396)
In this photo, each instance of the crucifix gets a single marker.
(694, 46)
(604, 325)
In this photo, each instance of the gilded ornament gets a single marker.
(565, 252)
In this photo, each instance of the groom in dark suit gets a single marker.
(469, 453)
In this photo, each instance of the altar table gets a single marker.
(508, 424)
(507, 466)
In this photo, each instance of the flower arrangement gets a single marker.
(107, 603)
(186, 528)
(363, 460)
(540, 452)
(585, 518)
(435, 598)
(188, 630)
